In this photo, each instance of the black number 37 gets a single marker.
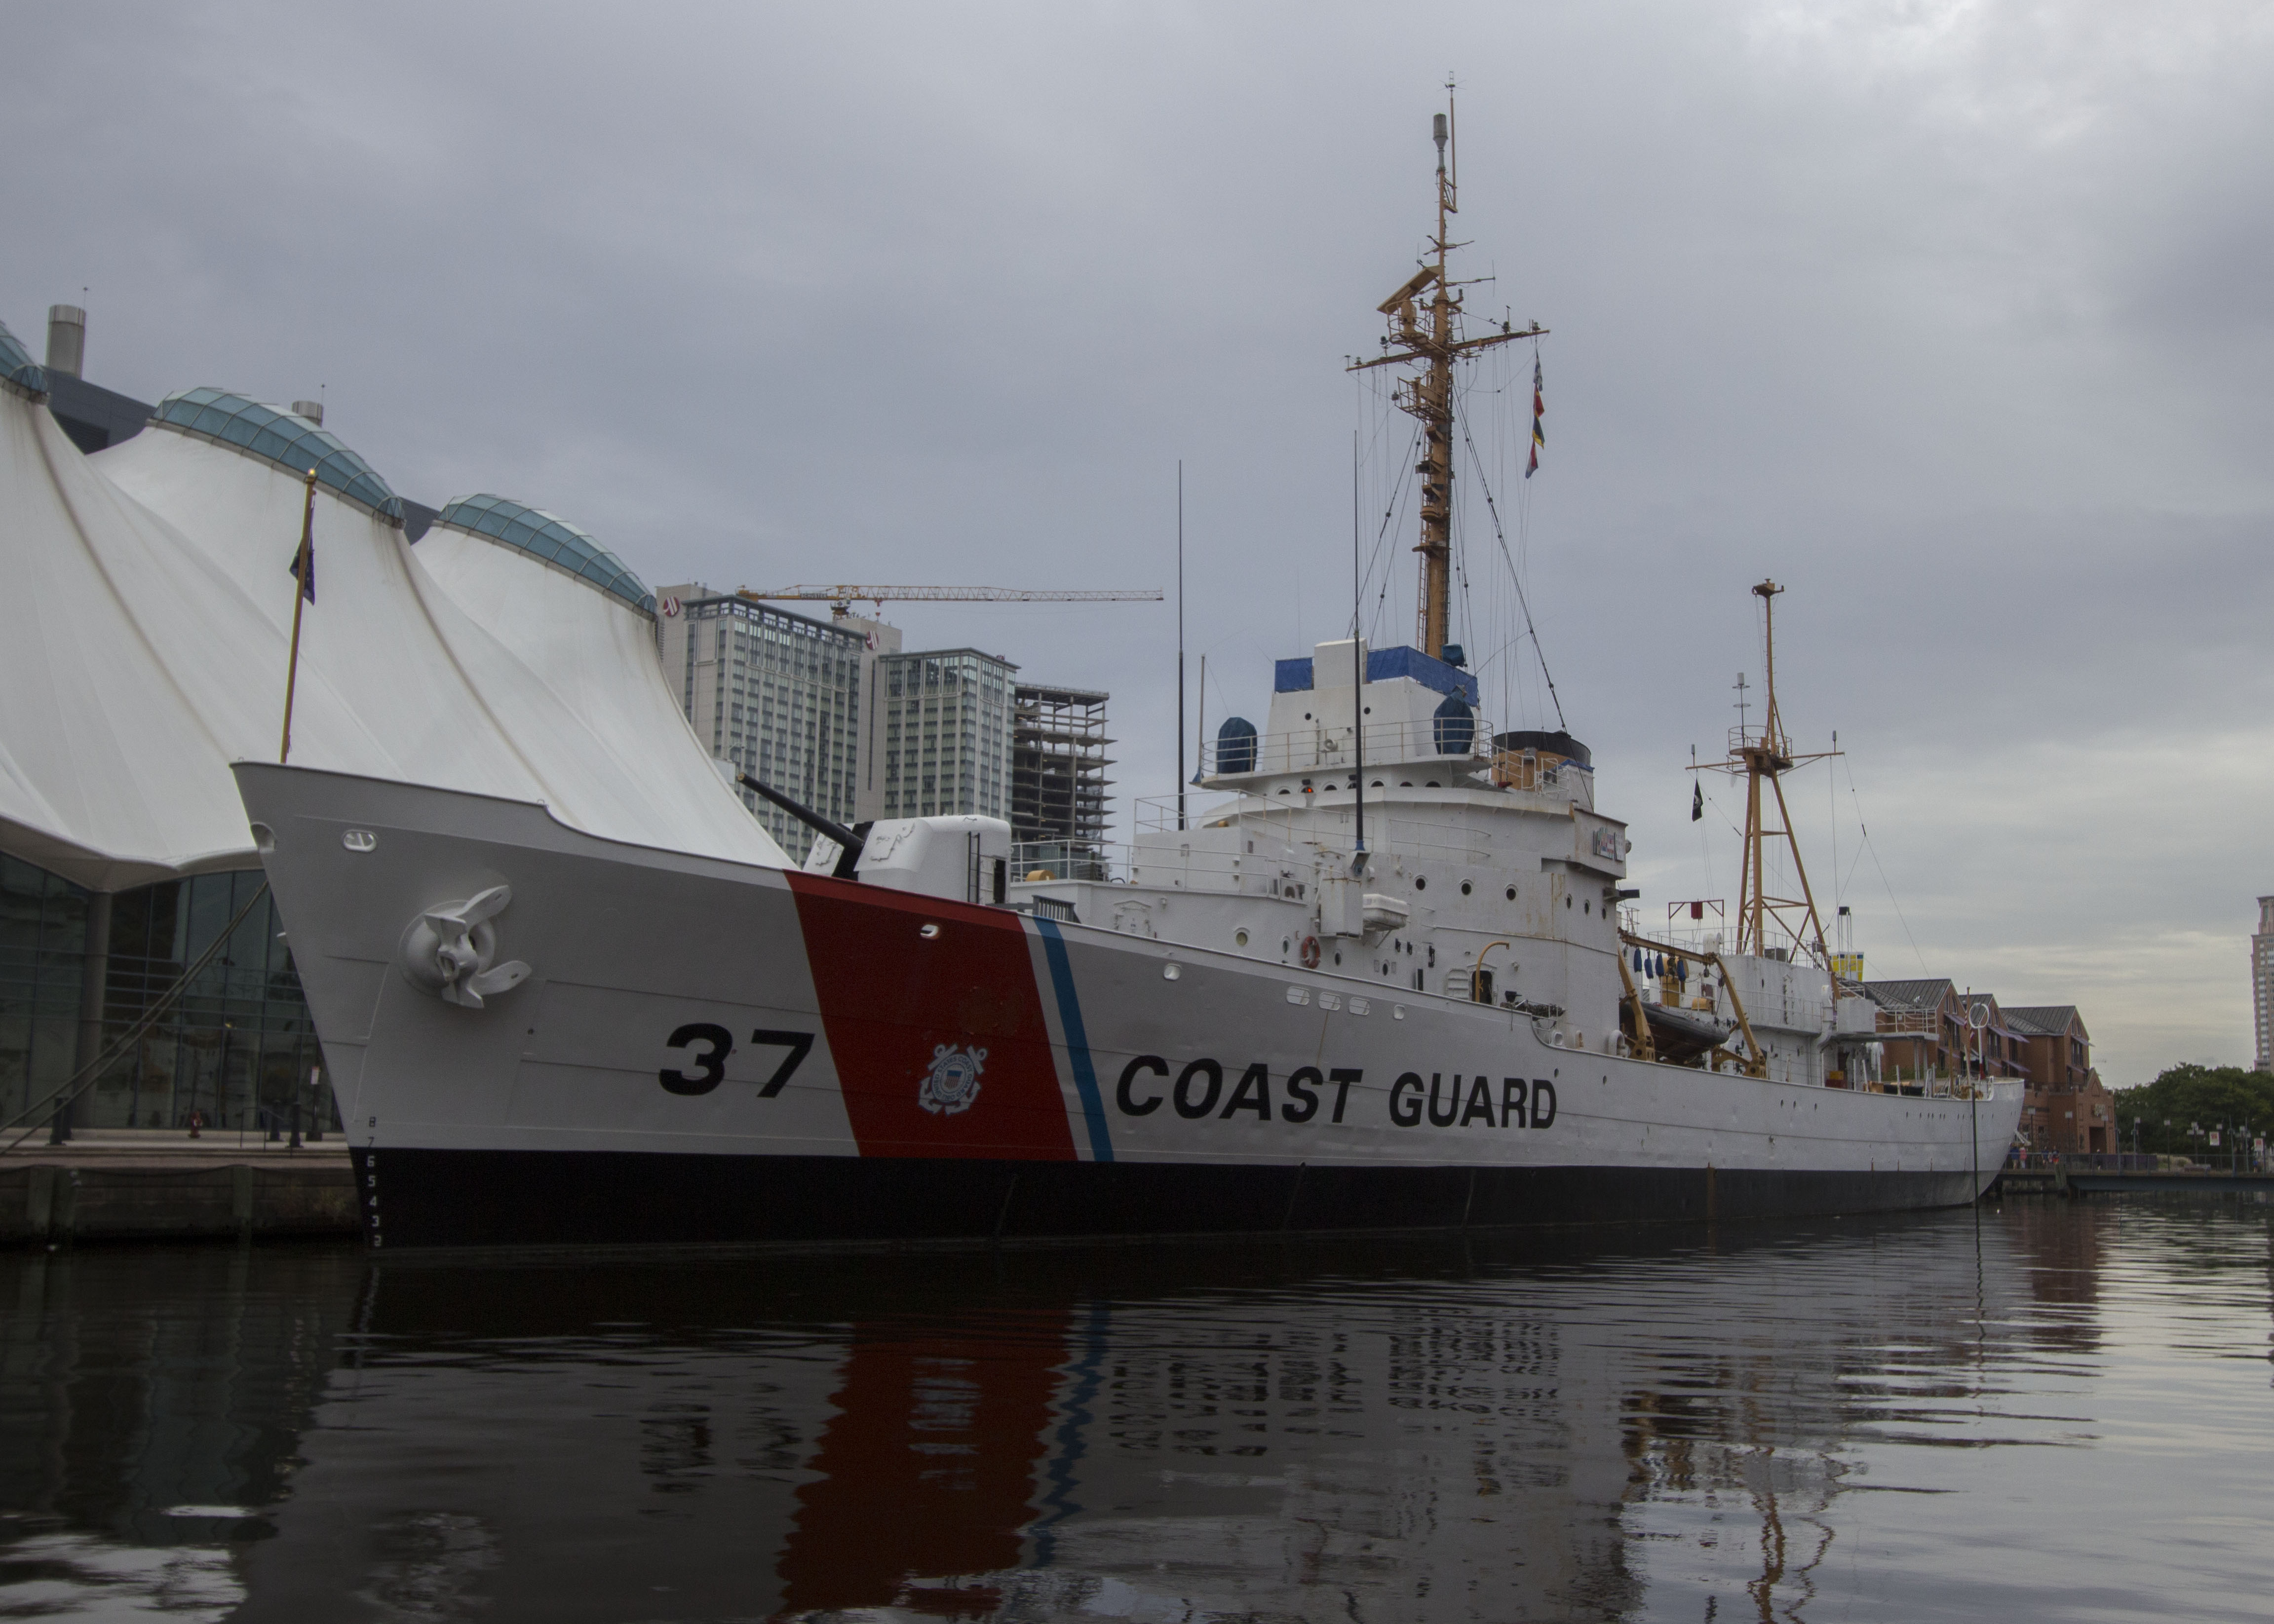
(710, 1064)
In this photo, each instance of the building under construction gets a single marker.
(1058, 769)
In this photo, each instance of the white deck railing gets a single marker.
(1320, 748)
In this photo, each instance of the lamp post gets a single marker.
(221, 1082)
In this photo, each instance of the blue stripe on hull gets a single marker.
(1077, 1037)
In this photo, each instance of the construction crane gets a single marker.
(841, 599)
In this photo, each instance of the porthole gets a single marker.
(1285, 943)
(1567, 902)
(1420, 882)
(1466, 888)
(1433, 784)
(1239, 938)
(1512, 893)
(1405, 784)
(1377, 783)
(1586, 907)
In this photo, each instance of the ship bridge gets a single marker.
(1382, 831)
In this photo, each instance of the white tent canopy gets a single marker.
(143, 649)
(133, 670)
(581, 622)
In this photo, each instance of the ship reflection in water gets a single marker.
(2061, 1413)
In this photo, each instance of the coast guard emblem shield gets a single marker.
(953, 1084)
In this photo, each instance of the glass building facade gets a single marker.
(948, 733)
(294, 444)
(549, 536)
(775, 694)
(238, 1047)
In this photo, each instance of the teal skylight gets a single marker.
(292, 443)
(17, 366)
(551, 538)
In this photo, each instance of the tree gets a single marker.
(2199, 1096)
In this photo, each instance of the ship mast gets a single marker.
(1431, 334)
(1763, 755)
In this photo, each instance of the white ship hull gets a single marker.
(705, 1050)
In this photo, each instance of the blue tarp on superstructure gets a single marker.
(1293, 676)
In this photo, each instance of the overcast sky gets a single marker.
(1956, 319)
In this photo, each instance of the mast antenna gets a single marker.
(1430, 333)
(1357, 671)
(1763, 753)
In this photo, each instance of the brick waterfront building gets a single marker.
(2067, 1108)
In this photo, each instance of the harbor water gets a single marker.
(2047, 1410)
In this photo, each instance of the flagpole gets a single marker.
(301, 569)
(1180, 642)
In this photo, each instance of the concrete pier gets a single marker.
(155, 1184)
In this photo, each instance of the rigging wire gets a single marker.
(1727, 821)
(1397, 503)
(1864, 829)
(1519, 426)
(1492, 507)
(1469, 638)
(1832, 806)
(1388, 522)
(1370, 387)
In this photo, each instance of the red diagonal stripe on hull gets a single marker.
(891, 997)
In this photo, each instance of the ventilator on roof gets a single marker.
(550, 537)
(66, 339)
(292, 443)
(18, 367)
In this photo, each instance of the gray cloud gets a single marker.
(1950, 316)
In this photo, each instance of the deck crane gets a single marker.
(841, 599)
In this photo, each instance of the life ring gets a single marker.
(1310, 952)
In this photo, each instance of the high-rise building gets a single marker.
(946, 732)
(877, 639)
(2261, 983)
(776, 695)
(1057, 768)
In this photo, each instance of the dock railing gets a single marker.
(1063, 859)
(1294, 828)
(2098, 1162)
(1212, 852)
